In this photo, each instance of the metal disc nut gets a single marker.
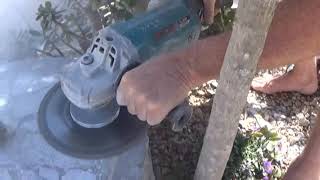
(87, 60)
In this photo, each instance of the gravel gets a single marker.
(292, 115)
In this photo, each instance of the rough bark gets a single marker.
(253, 19)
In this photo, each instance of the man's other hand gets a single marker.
(209, 10)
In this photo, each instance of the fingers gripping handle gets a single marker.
(180, 116)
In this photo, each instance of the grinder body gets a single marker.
(80, 116)
(91, 83)
(165, 28)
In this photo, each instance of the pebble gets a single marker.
(300, 116)
(282, 116)
(201, 92)
(211, 91)
(304, 122)
(214, 83)
(276, 115)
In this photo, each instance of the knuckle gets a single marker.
(141, 116)
(131, 109)
(141, 99)
(153, 115)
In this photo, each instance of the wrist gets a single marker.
(184, 70)
(205, 58)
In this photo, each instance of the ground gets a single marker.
(289, 115)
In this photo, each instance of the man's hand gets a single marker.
(154, 88)
(209, 10)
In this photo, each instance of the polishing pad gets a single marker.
(65, 135)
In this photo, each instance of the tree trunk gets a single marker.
(253, 19)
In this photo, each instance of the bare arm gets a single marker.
(294, 36)
(151, 90)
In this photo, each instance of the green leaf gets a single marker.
(274, 139)
(38, 16)
(273, 135)
(257, 134)
(265, 131)
(40, 8)
(48, 5)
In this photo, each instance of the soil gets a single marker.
(292, 115)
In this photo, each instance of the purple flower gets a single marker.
(265, 178)
(267, 167)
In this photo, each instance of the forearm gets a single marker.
(294, 35)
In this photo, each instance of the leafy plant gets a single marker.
(69, 30)
(254, 156)
(222, 22)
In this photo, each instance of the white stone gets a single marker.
(304, 122)
(214, 83)
(300, 116)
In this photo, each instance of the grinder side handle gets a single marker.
(180, 116)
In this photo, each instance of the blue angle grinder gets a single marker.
(80, 116)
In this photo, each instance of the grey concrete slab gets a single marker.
(25, 155)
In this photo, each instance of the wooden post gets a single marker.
(253, 19)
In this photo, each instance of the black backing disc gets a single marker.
(66, 136)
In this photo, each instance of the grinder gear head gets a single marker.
(92, 81)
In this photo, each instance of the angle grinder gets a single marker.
(80, 117)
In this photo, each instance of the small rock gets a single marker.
(293, 139)
(263, 105)
(201, 92)
(304, 122)
(282, 116)
(307, 115)
(300, 116)
(214, 83)
(276, 115)
(211, 91)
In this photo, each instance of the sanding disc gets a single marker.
(61, 132)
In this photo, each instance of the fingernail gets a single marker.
(120, 99)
